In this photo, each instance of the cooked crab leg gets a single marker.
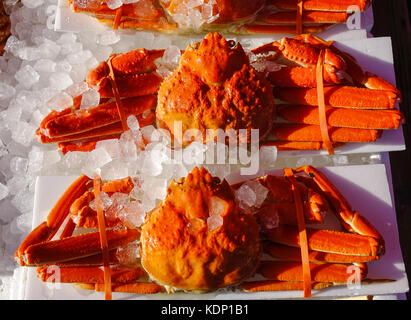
(285, 213)
(55, 218)
(88, 274)
(272, 285)
(324, 5)
(309, 17)
(287, 253)
(351, 220)
(136, 287)
(108, 130)
(305, 132)
(298, 145)
(343, 117)
(281, 29)
(340, 96)
(327, 241)
(84, 145)
(75, 247)
(96, 117)
(134, 72)
(84, 216)
(320, 272)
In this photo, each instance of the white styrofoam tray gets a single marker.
(366, 188)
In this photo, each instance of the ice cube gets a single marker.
(194, 153)
(63, 66)
(132, 123)
(112, 146)
(129, 254)
(60, 101)
(217, 206)
(77, 89)
(4, 191)
(45, 65)
(60, 80)
(17, 183)
(114, 4)
(90, 98)
(106, 202)
(214, 222)
(27, 76)
(132, 215)
(251, 195)
(23, 133)
(108, 38)
(36, 156)
(6, 91)
(18, 165)
(79, 57)
(51, 157)
(32, 3)
(23, 200)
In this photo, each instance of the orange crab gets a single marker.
(202, 237)
(218, 86)
(236, 16)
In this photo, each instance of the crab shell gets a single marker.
(180, 250)
(214, 88)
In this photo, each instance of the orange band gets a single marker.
(299, 21)
(302, 232)
(103, 236)
(117, 95)
(321, 104)
(117, 19)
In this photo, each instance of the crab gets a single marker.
(217, 85)
(202, 237)
(235, 16)
(5, 28)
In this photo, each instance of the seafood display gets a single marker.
(204, 236)
(240, 17)
(217, 85)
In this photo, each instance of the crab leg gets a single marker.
(320, 272)
(323, 5)
(328, 241)
(55, 218)
(300, 77)
(84, 145)
(351, 220)
(88, 274)
(272, 285)
(96, 117)
(282, 29)
(105, 131)
(298, 145)
(340, 96)
(75, 247)
(304, 132)
(343, 117)
(86, 217)
(286, 253)
(136, 287)
(309, 17)
(131, 86)
(285, 213)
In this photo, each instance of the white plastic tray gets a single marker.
(366, 188)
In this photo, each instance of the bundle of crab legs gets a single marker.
(181, 249)
(234, 16)
(301, 93)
